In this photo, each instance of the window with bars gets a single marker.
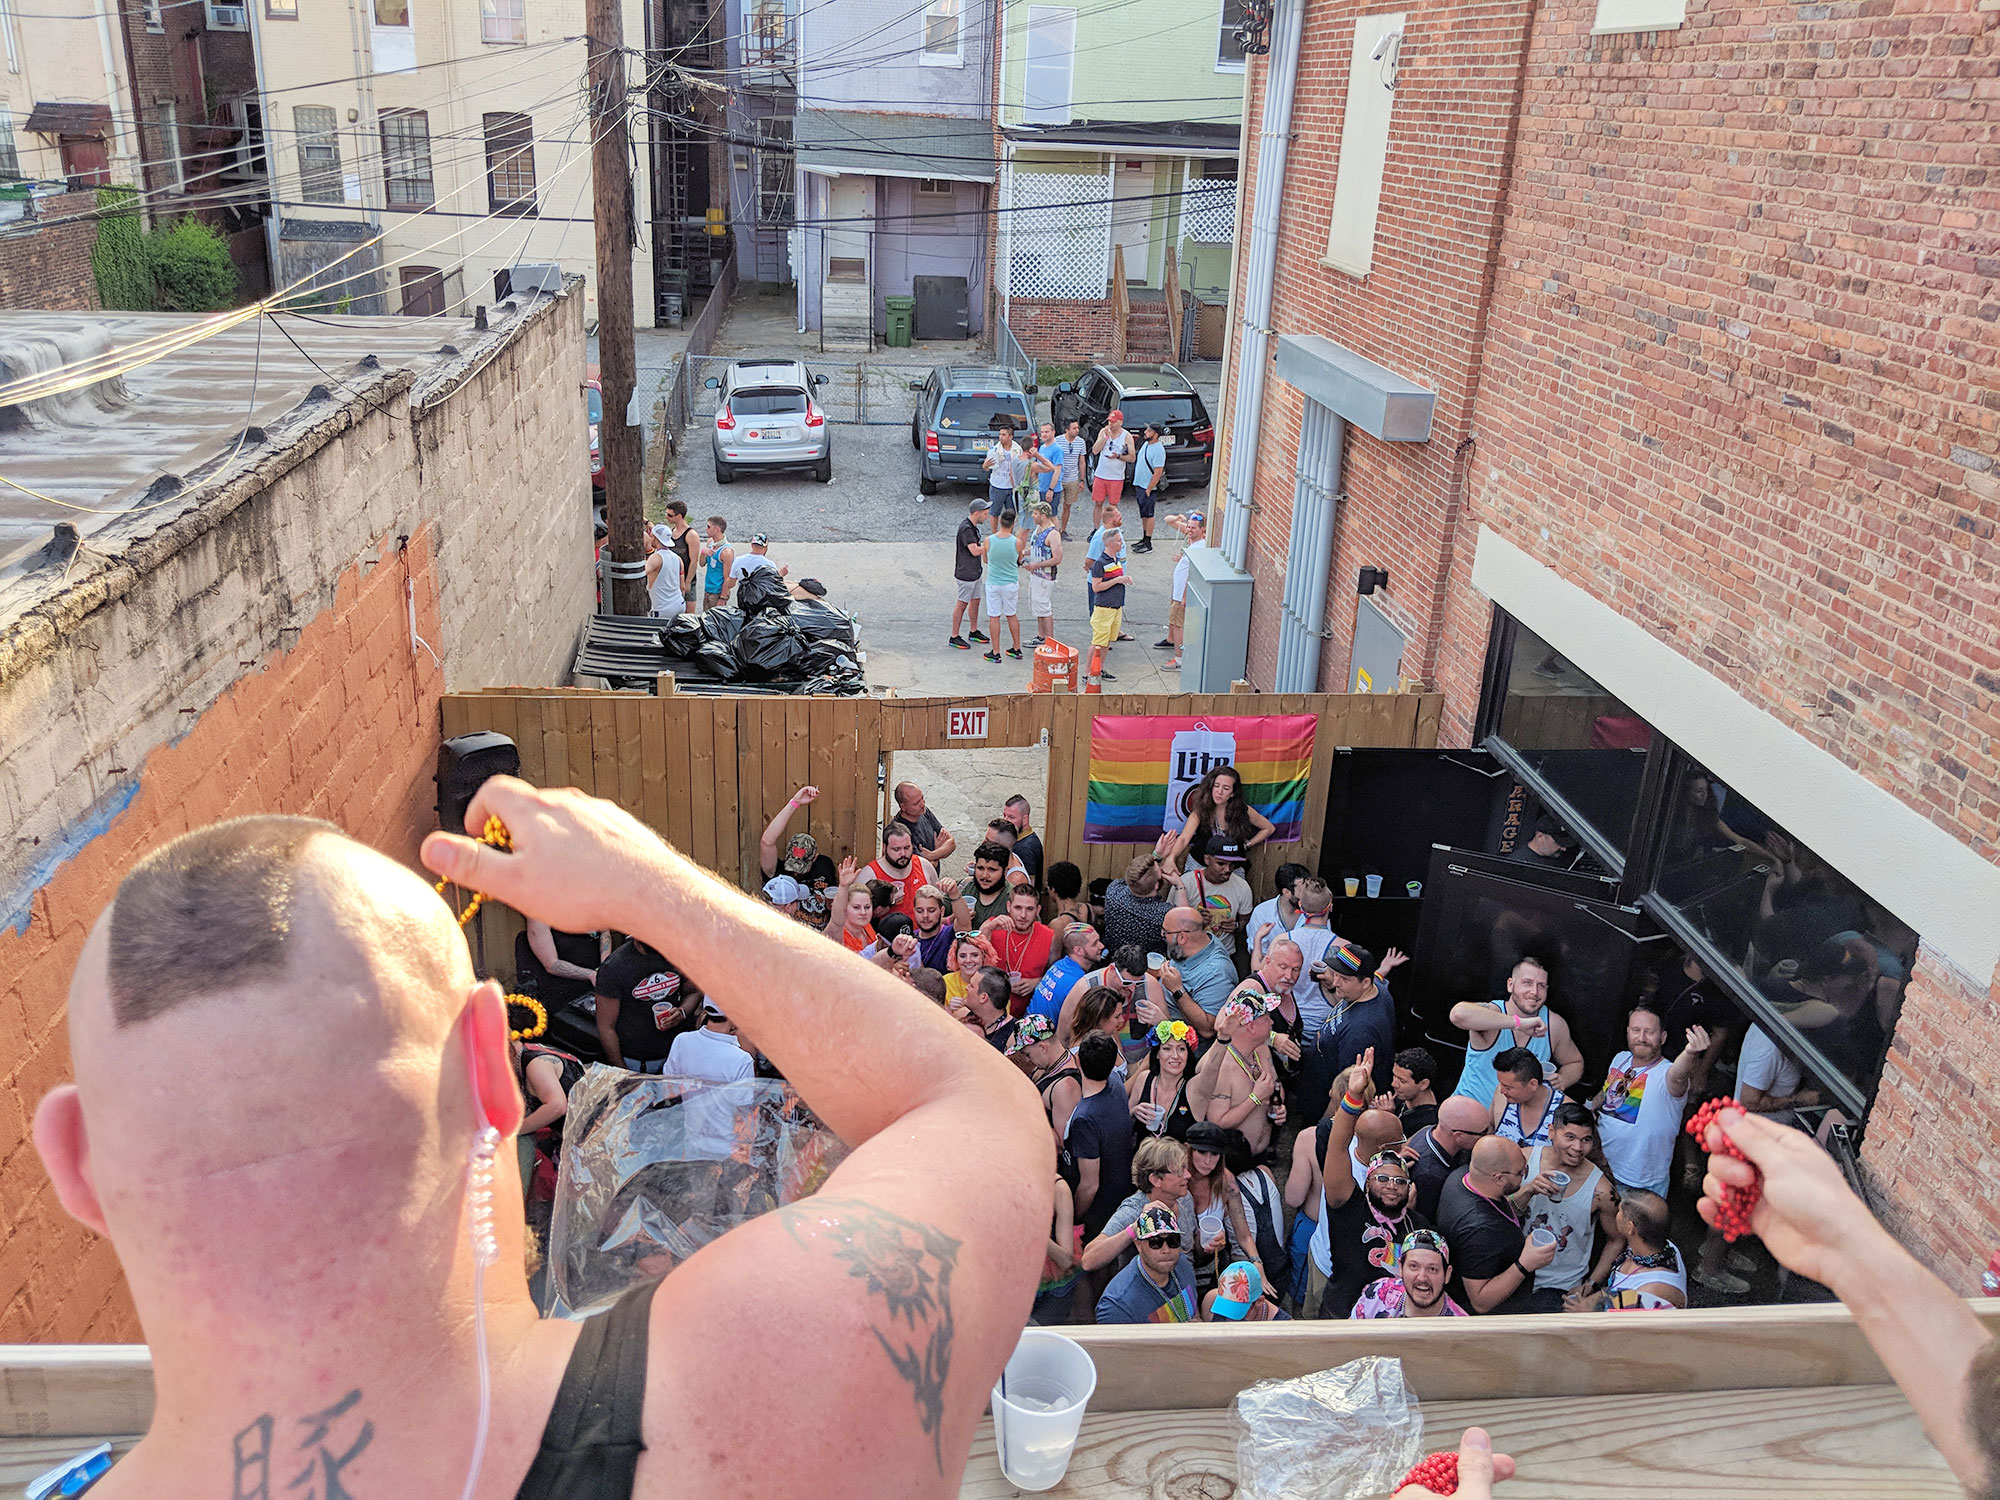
(10, 159)
(406, 158)
(774, 171)
(503, 20)
(941, 31)
(318, 131)
(510, 163)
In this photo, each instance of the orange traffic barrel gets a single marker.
(1055, 664)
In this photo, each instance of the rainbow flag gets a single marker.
(1143, 768)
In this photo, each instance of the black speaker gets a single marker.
(464, 763)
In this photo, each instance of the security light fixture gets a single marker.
(1372, 579)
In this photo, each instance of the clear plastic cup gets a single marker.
(1047, 1384)
(1155, 962)
(1560, 1179)
(1542, 1236)
(1415, 888)
(1352, 885)
(1374, 885)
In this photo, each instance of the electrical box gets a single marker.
(1215, 635)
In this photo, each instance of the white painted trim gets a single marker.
(1936, 884)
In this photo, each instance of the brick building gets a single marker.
(47, 263)
(1650, 352)
(404, 520)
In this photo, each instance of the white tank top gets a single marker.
(1570, 1219)
(665, 590)
(1674, 1276)
(1111, 462)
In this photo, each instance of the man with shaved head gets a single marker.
(283, 1064)
(1493, 1264)
(1441, 1149)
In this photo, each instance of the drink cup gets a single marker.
(1038, 1408)
(1352, 885)
(1415, 888)
(1543, 1236)
(1560, 1179)
(1374, 885)
(1155, 962)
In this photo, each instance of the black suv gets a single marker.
(959, 408)
(1145, 393)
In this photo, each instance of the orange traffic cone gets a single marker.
(1093, 677)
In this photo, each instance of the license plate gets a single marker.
(773, 435)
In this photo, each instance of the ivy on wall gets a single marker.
(124, 281)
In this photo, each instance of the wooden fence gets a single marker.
(708, 772)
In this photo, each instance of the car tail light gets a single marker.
(814, 417)
(724, 418)
(930, 442)
(1204, 434)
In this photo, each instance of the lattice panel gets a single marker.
(1208, 210)
(1060, 235)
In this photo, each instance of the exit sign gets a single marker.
(965, 724)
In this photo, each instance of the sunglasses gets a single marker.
(1390, 1177)
(1162, 1241)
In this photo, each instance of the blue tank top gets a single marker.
(1056, 983)
(1478, 1081)
(711, 578)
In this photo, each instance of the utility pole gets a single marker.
(611, 199)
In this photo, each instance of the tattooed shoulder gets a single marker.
(905, 1267)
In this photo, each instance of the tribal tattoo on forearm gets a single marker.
(908, 1266)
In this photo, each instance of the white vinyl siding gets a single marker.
(1364, 148)
(1050, 65)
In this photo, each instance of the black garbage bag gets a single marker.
(721, 624)
(827, 656)
(717, 661)
(769, 649)
(683, 637)
(836, 684)
(763, 591)
(822, 622)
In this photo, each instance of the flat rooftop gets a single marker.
(105, 447)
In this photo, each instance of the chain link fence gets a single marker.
(857, 392)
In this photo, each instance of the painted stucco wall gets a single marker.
(1153, 63)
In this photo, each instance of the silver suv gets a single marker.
(769, 417)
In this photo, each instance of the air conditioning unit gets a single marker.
(228, 18)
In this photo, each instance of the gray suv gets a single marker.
(768, 416)
(959, 408)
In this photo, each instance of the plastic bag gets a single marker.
(683, 636)
(1349, 1431)
(717, 661)
(822, 622)
(827, 656)
(762, 591)
(722, 624)
(770, 649)
(835, 685)
(655, 1167)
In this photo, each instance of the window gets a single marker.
(1229, 46)
(940, 44)
(155, 22)
(510, 164)
(165, 129)
(406, 158)
(10, 159)
(503, 20)
(774, 170)
(1638, 15)
(935, 187)
(223, 16)
(770, 32)
(1364, 145)
(282, 10)
(318, 131)
(1051, 59)
(392, 40)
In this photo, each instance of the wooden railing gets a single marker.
(1121, 304)
(1170, 285)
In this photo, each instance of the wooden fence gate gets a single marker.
(708, 772)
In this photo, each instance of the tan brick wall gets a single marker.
(258, 657)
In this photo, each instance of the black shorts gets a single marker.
(1146, 503)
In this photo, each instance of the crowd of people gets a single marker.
(1223, 1082)
(1019, 529)
(688, 571)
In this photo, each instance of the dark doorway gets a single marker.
(86, 161)
(423, 291)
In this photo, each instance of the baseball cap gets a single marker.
(799, 854)
(761, 539)
(1227, 849)
(977, 506)
(1239, 1285)
(812, 586)
(1033, 1029)
(1155, 1219)
(1344, 958)
(711, 1011)
(663, 534)
(781, 890)
(1116, 416)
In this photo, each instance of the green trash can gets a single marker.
(902, 317)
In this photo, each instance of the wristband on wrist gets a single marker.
(1347, 1107)
(1525, 1273)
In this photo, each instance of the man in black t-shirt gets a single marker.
(1441, 1149)
(1362, 1223)
(643, 1002)
(968, 571)
(1492, 1264)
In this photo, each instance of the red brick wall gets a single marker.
(1073, 332)
(50, 267)
(343, 726)
(1421, 312)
